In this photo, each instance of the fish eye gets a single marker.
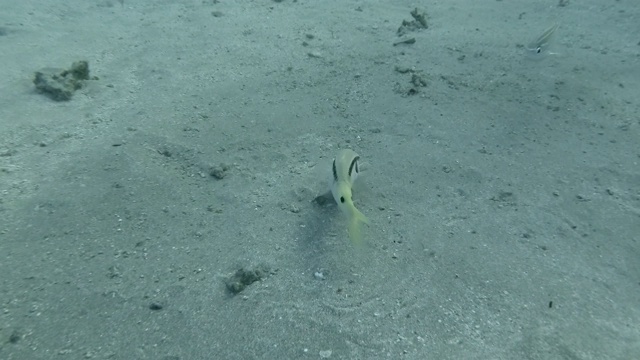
(342, 199)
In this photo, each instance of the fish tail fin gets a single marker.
(355, 227)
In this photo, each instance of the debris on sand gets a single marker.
(60, 84)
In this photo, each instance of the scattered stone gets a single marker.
(504, 197)
(418, 80)
(408, 41)
(404, 69)
(155, 306)
(419, 22)
(244, 277)
(60, 84)
(219, 171)
(420, 17)
(15, 337)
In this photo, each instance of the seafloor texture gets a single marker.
(162, 203)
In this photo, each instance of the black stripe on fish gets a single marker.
(354, 164)
(335, 172)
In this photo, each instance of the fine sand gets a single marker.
(503, 191)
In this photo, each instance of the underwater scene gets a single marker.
(303, 179)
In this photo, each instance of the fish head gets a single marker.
(342, 194)
(538, 49)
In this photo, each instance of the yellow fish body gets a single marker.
(539, 48)
(345, 172)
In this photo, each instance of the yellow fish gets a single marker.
(345, 172)
(539, 48)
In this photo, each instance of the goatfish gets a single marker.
(538, 48)
(345, 172)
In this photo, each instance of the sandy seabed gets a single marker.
(503, 191)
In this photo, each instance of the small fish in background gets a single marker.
(345, 171)
(538, 49)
